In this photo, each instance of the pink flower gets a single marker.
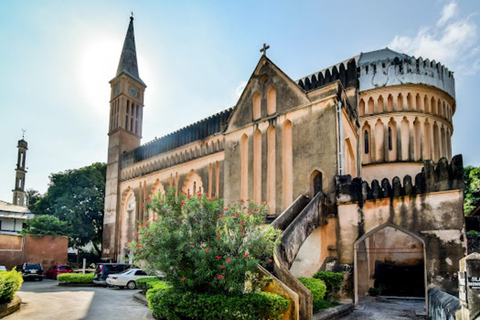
(166, 211)
(183, 201)
(147, 223)
(149, 243)
(218, 237)
(245, 255)
(136, 235)
(141, 204)
(139, 245)
(234, 215)
(155, 219)
(226, 209)
(183, 279)
(219, 257)
(250, 211)
(242, 223)
(248, 200)
(189, 196)
(270, 260)
(147, 198)
(207, 251)
(228, 260)
(223, 267)
(220, 276)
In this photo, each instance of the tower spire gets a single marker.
(128, 58)
(20, 173)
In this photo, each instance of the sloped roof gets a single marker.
(128, 59)
(380, 55)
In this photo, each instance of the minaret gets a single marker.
(125, 132)
(20, 173)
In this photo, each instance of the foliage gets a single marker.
(471, 176)
(324, 304)
(32, 197)
(146, 284)
(374, 291)
(173, 305)
(333, 281)
(77, 197)
(474, 232)
(48, 225)
(203, 247)
(317, 287)
(76, 277)
(10, 282)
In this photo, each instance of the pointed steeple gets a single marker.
(128, 59)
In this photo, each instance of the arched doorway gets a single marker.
(391, 260)
(316, 183)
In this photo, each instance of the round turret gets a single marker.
(405, 109)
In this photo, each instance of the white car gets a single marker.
(127, 278)
(2, 268)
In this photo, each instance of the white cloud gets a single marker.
(240, 88)
(449, 11)
(453, 41)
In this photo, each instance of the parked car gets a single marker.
(2, 268)
(31, 271)
(104, 269)
(54, 271)
(127, 278)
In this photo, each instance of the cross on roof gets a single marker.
(264, 49)
(131, 14)
(23, 133)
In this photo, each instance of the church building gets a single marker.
(355, 162)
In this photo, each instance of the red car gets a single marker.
(54, 271)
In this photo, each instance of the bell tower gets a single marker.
(20, 173)
(124, 134)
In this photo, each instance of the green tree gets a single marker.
(32, 197)
(472, 188)
(203, 246)
(46, 224)
(77, 197)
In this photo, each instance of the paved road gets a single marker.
(46, 300)
(391, 309)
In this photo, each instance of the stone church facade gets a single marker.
(354, 161)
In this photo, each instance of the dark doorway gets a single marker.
(316, 183)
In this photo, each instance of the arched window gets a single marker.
(257, 166)
(390, 139)
(271, 100)
(271, 178)
(370, 106)
(390, 103)
(287, 164)
(257, 102)
(361, 108)
(316, 182)
(366, 142)
(244, 166)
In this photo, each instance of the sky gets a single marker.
(195, 57)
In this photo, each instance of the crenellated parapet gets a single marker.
(404, 69)
(442, 176)
(345, 72)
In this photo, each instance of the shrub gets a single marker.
(10, 282)
(317, 287)
(202, 246)
(76, 277)
(173, 305)
(146, 284)
(333, 281)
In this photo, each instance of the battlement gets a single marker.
(404, 69)
(194, 132)
(442, 176)
(345, 71)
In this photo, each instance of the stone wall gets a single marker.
(46, 250)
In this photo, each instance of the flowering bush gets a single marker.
(204, 246)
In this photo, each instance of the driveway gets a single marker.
(384, 308)
(46, 300)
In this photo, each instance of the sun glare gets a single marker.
(98, 66)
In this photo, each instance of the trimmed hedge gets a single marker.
(10, 282)
(318, 289)
(146, 284)
(333, 281)
(76, 277)
(171, 305)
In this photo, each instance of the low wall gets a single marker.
(46, 250)
(441, 305)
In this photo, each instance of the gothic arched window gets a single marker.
(389, 138)
(367, 147)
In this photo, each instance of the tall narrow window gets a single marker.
(257, 103)
(271, 100)
(244, 166)
(271, 179)
(366, 142)
(389, 138)
(257, 166)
